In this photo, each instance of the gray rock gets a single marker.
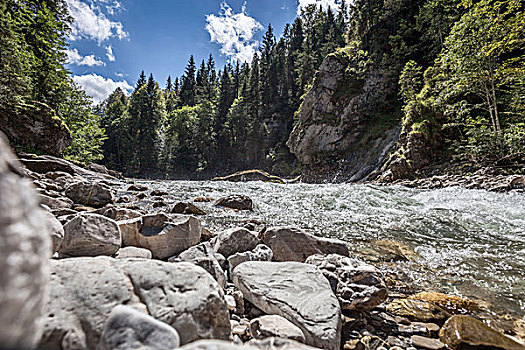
(133, 253)
(84, 291)
(216, 345)
(359, 286)
(292, 244)
(278, 344)
(168, 236)
(203, 256)
(275, 326)
(130, 230)
(93, 194)
(239, 202)
(235, 240)
(56, 231)
(24, 256)
(90, 235)
(127, 214)
(298, 292)
(56, 203)
(127, 328)
(260, 253)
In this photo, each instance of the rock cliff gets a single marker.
(345, 125)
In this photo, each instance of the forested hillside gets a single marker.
(35, 88)
(449, 74)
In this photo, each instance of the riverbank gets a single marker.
(379, 303)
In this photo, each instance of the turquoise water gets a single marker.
(470, 242)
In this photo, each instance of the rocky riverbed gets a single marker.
(129, 265)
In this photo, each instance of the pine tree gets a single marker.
(188, 86)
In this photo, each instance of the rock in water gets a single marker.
(238, 202)
(24, 256)
(292, 244)
(93, 194)
(464, 332)
(204, 256)
(358, 286)
(275, 326)
(127, 328)
(91, 235)
(235, 240)
(298, 292)
(84, 291)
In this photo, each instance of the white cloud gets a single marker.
(73, 57)
(109, 53)
(99, 87)
(234, 32)
(91, 23)
(333, 4)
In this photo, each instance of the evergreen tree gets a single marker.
(188, 87)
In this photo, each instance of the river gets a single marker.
(468, 242)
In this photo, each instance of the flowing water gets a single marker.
(470, 242)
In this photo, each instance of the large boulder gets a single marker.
(56, 203)
(90, 235)
(260, 253)
(36, 127)
(24, 255)
(296, 291)
(93, 194)
(84, 291)
(127, 329)
(204, 256)
(165, 236)
(293, 244)
(359, 286)
(235, 240)
(465, 332)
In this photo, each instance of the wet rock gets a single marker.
(298, 292)
(451, 303)
(275, 326)
(292, 244)
(56, 203)
(239, 202)
(24, 256)
(90, 235)
(84, 291)
(418, 310)
(159, 204)
(56, 231)
(386, 250)
(203, 255)
(92, 194)
(166, 237)
(127, 328)
(260, 253)
(159, 193)
(517, 182)
(358, 286)
(138, 188)
(464, 332)
(426, 343)
(187, 208)
(207, 235)
(133, 252)
(235, 240)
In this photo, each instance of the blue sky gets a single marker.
(112, 41)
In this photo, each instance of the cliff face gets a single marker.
(35, 127)
(344, 128)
